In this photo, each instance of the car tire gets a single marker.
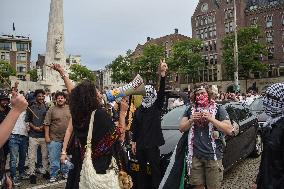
(258, 147)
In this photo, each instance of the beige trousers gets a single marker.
(32, 154)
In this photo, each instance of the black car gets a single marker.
(246, 142)
(257, 109)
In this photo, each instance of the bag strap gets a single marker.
(90, 132)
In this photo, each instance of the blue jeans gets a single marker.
(18, 145)
(54, 152)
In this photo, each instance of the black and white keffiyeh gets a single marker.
(150, 97)
(273, 103)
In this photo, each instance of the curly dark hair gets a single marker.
(197, 86)
(60, 94)
(83, 100)
(38, 91)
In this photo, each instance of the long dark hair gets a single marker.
(83, 100)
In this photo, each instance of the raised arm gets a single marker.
(161, 93)
(19, 104)
(68, 83)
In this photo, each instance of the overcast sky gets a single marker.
(98, 30)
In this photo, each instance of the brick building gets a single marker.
(167, 42)
(214, 19)
(17, 51)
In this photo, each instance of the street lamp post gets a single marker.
(236, 52)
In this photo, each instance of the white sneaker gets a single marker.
(52, 179)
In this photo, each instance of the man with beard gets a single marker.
(147, 132)
(36, 134)
(271, 169)
(55, 124)
(206, 123)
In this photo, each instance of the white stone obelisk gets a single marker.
(54, 46)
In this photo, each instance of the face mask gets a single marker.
(202, 100)
(150, 97)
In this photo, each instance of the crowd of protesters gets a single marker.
(49, 130)
(34, 145)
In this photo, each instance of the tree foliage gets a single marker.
(147, 65)
(250, 48)
(6, 70)
(79, 73)
(186, 57)
(121, 67)
(33, 74)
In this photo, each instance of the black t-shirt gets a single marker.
(202, 144)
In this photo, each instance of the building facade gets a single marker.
(173, 81)
(214, 19)
(16, 50)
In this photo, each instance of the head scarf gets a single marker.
(273, 103)
(150, 97)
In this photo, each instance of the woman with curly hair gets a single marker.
(85, 98)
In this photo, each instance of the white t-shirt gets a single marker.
(20, 126)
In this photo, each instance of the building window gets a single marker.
(282, 34)
(5, 46)
(205, 58)
(269, 21)
(197, 34)
(201, 34)
(269, 38)
(210, 32)
(201, 22)
(226, 27)
(253, 5)
(205, 21)
(21, 68)
(205, 33)
(210, 46)
(21, 77)
(214, 45)
(254, 21)
(214, 31)
(206, 46)
(211, 59)
(283, 20)
(270, 53)
(196, 23)
(213, 18)
(231, 25)
(272, 2)
(5, 56)
(209, 19)
(215, 59)
(22, 46)
(21, 57)
(215, 74)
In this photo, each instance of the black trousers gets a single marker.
(151, 155)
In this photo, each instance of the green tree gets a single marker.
(147, 65)
(79, 72)
(33, 74)
(250, 48)
(186, 58)
(6, 70)
(121, 67)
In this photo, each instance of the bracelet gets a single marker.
(63, 153)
